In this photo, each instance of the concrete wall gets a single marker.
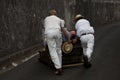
(21, 21)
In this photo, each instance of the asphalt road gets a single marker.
(105, 60)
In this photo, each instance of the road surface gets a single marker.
(105, 60)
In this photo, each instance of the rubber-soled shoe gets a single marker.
(87, 64)
(58, 71)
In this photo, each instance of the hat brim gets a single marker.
(67, 47)
(78, 16)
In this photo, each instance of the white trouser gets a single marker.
(54, 41)
(87, 42)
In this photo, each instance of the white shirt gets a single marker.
(83, 26)
(52, 22)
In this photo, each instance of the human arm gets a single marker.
(66, 34)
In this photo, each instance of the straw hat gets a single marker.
(52, 12)
(78, 16)
(67, 47)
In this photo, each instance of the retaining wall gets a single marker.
(21, 21)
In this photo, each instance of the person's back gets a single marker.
(51, 22)
(83, 26)
(83, 22)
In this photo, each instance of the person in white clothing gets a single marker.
(86, 34)
(53, 26)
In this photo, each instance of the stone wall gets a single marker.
(99, 12)
(21, 21)
(21, 24)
